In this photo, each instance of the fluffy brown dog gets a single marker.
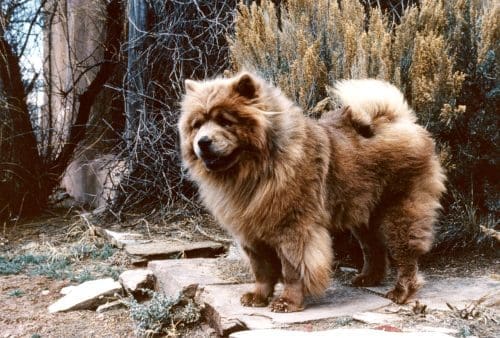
(281, 182)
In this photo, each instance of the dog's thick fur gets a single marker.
(281, 182)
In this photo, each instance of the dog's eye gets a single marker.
(196, 124)
(224, 121)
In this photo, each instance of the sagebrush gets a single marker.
(442, 54)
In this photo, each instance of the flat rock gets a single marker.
(376, 318)
(168, 249)
(222, 298)
(110, 306)
(339, 301)
(87, 295)
(67, 289)
(174, 276)
(135, 280)
(457, 291)
(337, 333)
(120, 239)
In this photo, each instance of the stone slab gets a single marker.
(174, 276)
(121, 239)
(87, 295)
(135, 280)
(376, 318)
(222, 298)
(458, 291)
(110, 306)
(337, 333)
(167, 249)
(339, 301)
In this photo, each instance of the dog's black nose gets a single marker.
(204, 143)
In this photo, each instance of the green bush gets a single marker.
(163, 314)
(442, 54)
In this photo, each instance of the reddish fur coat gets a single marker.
(280, 182)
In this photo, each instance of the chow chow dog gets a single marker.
(281, 182)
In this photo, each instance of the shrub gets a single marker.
(442, 54)
(163, 313)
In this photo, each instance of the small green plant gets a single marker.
(83, 276)
(162, 313)
(81, 251)
(16, 293)
(8, 267)
(465, 331)
(57, 269)
(109, 271)
(12, 266)
(104, 253)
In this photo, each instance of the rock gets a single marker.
(45, 292)
(338, 301)
(222, 298)
(174, 276)
(67, 289)
(134, 280)
(337, 333)
(87, 295)
(110, 306)
(168, 249)
(453, 332)
(120, 239)
(458, 291)
(376, 318)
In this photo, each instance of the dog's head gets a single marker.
(222, 122)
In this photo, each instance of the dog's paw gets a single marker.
(398, 295)
(282, 304)
(365, 280)
(252, 299)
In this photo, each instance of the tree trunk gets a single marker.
(134, 100)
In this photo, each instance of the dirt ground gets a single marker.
(26, 295)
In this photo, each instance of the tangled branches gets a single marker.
(184, 39)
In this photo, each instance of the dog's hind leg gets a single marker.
(408, 226)
(373, 245)
(266, 267)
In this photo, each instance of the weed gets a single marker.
(16, 293)
(465, 331)
(83, 276)
(57, 269)
(109, 271)
(104, 253)
(162, 313)
(81, 251)
(8, 267)
(13, 266)
(343, 321)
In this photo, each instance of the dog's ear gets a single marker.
(246, 86)
(190, 85)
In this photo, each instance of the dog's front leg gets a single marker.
(292, 297)
(266, 267)
(306, 258)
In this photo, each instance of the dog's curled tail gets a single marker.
(370, 103)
